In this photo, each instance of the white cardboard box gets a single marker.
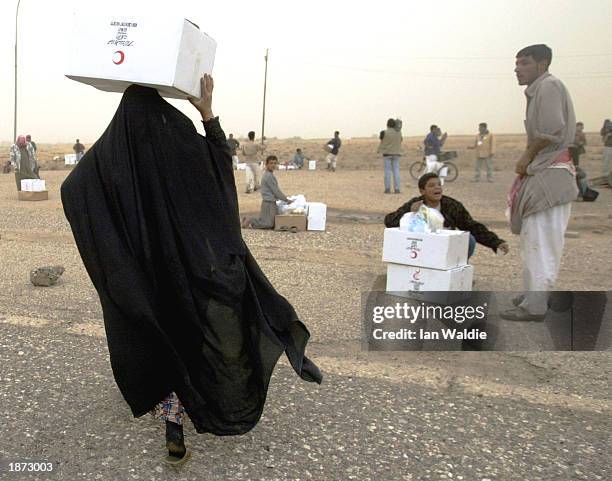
(444, 250)
(312, 165)
(70, 159)
(317, 215)
(33, 185)
(168, 53)
(430, 285)
(241, 166)
(38, 185)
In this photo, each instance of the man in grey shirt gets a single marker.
(270, 193)
(541, 197)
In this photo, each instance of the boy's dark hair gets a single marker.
(270, 158)
(539, 52)
(483, 124)
(336, 133)
(425, 177)
(391, 123)
(433, 127)
(251, 135)
(298, 150)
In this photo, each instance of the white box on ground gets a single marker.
(312, 165)
(317, 215)
(425, 284)
(33, 185)
(111, 52)
(445, 249)
(70, 159)
(38, 185)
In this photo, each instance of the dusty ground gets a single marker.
(400, 415)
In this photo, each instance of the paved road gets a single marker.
(391, 416)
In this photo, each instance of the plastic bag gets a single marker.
(296, 206)
(433, 217)
(413, 222)
(425, 219)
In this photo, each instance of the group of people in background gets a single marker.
(252, 154)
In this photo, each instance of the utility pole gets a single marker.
(15, 110)
(263, 116)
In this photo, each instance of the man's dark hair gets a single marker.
(433, 127)
(425, 177)
(483, 124)
(251, 135)
(539, 52)
(77, 141)
(270, 158)
(336, 133)
(391, 123)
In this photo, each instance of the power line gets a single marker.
(454, 75)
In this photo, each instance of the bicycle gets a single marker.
(418, 168)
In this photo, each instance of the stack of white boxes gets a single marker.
(312, 165)
(70, 159)
(317, 215)
(423, 262)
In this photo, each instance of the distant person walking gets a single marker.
(577, 147)
(79, 150)
(332, 147)
(233, 145)
(485, 150)
(252, 156)
(23, 159)
(391, 149)
(606, 137)
(29, 139)
(270, 193)
(33, 144)
(433, 147)
(541, 197)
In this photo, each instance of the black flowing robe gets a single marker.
(154, 213)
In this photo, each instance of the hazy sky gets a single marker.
(333, 65)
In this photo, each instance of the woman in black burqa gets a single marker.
(187, 311)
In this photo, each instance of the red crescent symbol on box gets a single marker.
(417, 275)
(413, 254)
(121, 57)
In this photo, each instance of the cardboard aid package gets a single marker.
(111, 52)
(427, 266)
(33, 189)
(444, 250)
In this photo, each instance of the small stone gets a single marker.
(597, 231)
(46, 276)
(571, 234)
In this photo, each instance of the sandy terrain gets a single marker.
(401, 415)
(324, 273)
